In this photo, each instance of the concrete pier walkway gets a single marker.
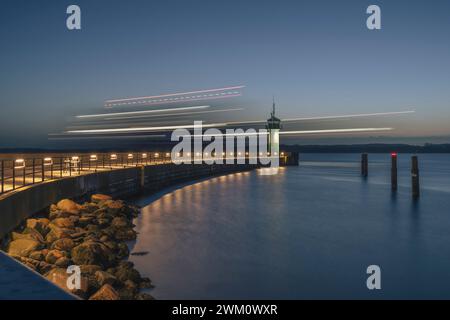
(18, 282)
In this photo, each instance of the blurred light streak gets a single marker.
(148, 136)
(327, 117)
(178, 114)
(140, 112)
(175, 97)
(140, 129)
(351, 116)
(335, 131)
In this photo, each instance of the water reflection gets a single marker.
(308, 232)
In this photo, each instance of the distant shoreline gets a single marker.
(369, 148)
(341, 148)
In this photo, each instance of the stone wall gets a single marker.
(20, 204)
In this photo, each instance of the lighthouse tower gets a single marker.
(274, 126)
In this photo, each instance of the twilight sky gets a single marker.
(317, 57)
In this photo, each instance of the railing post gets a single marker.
(24, 173)
(14, 175)
(61, 167)
(43, 170)
(364, 164)
(34, 170)
(415, 177)
(394, 184)
(3, 176)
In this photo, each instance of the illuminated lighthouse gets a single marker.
(274, 126)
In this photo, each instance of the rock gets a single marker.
(59, 214)
(122, 250)
(144, 296)
(53, 256)
(112, 245)
(106, 292)
(125, 234)
(65, 244)
(129, 290)
(125, 271)
(68, 206)
(99, 212)
(57, 233)
(34, 234)
(115, 205)
(22, 247)
(40, 225)
(100, 197)
(37, 255)
(34, 264)
(120, 222)
(63, 223)
(90, 269)
(92, 228)
(78, 236)
(145, 283)
(88, 207)
(130, 285)
(105, 215)
(17, 236)
(91, 252)
(126, 294)
(103, 222)
(59, 276)
(84, 221)
(103, 278)
(63, 262)
(44, 267)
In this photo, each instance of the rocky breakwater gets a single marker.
(92, 237)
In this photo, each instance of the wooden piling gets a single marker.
(415, 177)
(394, 171)
(364, 164)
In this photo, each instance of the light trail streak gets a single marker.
(178, 114)
(327, 117)
(187, 99)
(148, 136)
(230, 134)
(140, 112)
(335, 131)
(295, 132)
(141, 129)
(350, 116)
(176, 97)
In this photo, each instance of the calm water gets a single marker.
(308, 232)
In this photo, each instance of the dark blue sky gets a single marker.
(317, 57)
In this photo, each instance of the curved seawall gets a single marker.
(20, 282)
(22, 203)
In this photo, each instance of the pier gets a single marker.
(31, 184)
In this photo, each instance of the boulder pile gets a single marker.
(91, 236)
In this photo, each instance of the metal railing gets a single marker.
(21, 172)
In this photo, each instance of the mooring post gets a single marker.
(415, 177)
(364, 164)
(394, 171)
